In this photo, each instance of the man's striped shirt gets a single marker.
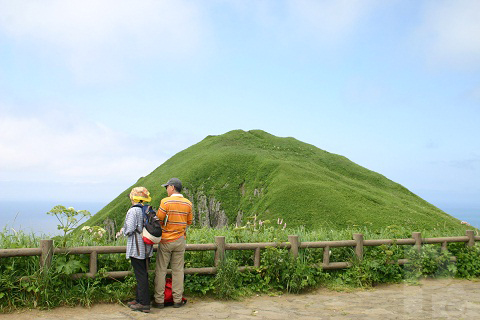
(179, 210)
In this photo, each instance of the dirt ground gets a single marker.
(431, 299)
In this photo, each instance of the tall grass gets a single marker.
(22, 284)
(11, 238)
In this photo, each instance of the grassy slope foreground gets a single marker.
(245, 173)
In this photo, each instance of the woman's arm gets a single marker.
(130, 223)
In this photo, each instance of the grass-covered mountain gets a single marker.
(233, 176)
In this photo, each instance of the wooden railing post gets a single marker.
(93, 263)
(418, 240)
(471, 238)
(256, 261)
(358, 237)
(326, 256)
(220, 250)
(47, 253)
(294, 244)
(444, 246)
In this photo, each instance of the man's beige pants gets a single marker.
(173, 253)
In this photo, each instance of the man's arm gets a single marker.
(162, 211)
(190, 216)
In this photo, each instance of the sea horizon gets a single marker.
(31, 217)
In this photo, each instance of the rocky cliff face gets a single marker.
(207, 212)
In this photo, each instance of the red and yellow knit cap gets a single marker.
(140, 194)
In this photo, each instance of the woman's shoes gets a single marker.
(131, 303)
(140, 307)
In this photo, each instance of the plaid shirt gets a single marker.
(134, 225)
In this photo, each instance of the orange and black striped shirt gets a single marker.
(179, 210)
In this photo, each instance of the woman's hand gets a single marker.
(119, 233)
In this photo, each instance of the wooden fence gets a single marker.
(46, 251)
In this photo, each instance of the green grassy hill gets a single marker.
(233, 176)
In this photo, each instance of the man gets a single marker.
(175, 214)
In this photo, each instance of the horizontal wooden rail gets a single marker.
(46, 250)
(88, 250)
(119, 249)
(335, 265)
(406, 261)
(380, 242)
(21, 252)
(331, 244)
(253, 246)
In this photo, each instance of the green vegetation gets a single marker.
(22, 285)
(68, 219)
(255, 173)
(276, 187)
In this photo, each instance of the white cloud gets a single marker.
(97, 38)
(450, 31)
(63, 155)
(60, 148)
(330, 21)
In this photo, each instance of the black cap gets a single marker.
(174, 182)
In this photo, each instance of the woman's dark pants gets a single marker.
(141, 274)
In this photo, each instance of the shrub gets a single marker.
(23, 285)
(280, 271)
(430, 261)
(468, 262)
(227, 280)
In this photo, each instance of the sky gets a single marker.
(95, 94)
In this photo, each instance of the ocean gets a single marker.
(31, 217)
(470, 214)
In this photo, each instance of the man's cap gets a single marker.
(174, 182)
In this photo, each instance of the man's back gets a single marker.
(179, 211)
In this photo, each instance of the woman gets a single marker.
(138, 251)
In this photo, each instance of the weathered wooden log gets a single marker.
(20, 252)
(358, 237)
(294, 244)
(46, 247)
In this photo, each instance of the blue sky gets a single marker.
(84, 85)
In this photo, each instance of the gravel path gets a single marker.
(432, 299)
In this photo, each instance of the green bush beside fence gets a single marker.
(24, 285)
